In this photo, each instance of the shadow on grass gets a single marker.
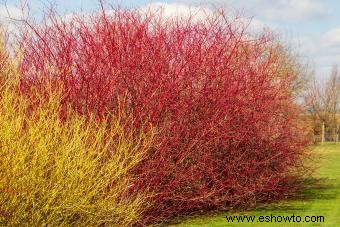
(313, 189)
(321, 189)
(318, 194)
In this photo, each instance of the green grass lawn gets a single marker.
(323, 200)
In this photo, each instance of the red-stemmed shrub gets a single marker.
(219, 95)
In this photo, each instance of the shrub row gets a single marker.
(70, 172)
(218, 94)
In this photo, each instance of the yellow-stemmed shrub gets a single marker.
(63, 172)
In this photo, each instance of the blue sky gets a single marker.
(312, 26)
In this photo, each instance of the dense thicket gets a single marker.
(63, 172)
(219, 95)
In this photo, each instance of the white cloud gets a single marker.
(200, 13)
(282, 10)
(294, 10)
(8, 16)
(9, 12)
(177, 11)
(327, 44)
(332, 38)
(323, 51)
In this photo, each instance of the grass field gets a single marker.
(317, 201)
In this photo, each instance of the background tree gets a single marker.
(324, 103)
